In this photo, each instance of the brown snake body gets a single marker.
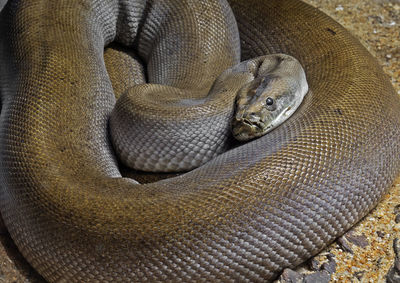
(252, 211)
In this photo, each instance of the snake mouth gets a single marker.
(256, 126)
(244, 129)
(252, 123)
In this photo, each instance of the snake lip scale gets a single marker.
(244, 216)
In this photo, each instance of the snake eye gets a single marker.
(269, 101)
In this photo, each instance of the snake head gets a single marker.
(265, 103)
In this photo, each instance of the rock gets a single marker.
(312, 272)
(344, 245)
(359, 275)
(318, 277)
(380, 234)
(290, 276)
(393, 275)
(396, 209)
(329, 266)
(314, 264)
(358, 240)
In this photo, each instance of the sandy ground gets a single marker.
(368, 252)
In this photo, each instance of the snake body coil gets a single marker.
(249, 213)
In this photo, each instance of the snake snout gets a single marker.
(247, 126)
(251, 119)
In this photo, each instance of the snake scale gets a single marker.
(268, 204)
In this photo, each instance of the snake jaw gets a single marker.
(248, 127)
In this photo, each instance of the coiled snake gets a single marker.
(249, 213)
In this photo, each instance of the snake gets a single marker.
(250, 212)
(163, 128)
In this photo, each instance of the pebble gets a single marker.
(358, 240)
(393, 275)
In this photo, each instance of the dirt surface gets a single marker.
(368, 253)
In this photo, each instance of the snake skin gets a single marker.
(252, 211)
